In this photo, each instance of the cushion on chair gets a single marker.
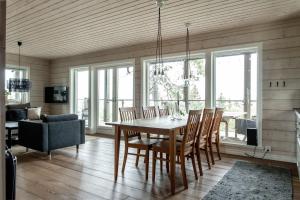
(34, 113)
(57, 118)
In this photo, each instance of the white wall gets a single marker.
(281, 56)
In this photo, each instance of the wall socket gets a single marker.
(267, 149)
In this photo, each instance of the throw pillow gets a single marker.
(16, 114)
(34, 113)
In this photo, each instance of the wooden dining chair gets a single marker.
(214, 136)
(163, 111)
(202, 137)
(134, 140)
(148, 113)
(184, 149)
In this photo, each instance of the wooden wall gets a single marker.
(39, 76)
(2, 99)
(281, 58)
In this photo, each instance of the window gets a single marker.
(80, 93)
(15, 97)
(98, 91)
(167, 89)
(235, 90)
(115, 90)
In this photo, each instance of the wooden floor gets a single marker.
(89, 175)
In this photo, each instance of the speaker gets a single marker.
(252, 136)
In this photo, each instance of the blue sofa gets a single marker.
(53, 132)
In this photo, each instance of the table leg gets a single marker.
(172, 157)
(226, 129)
(117, 150)
(9, 138)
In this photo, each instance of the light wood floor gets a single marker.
(89, 175)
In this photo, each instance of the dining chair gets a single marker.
(184, 149)
(134, 140)
(214, 136)
(148, 113)
(202, 137)
(163, 111)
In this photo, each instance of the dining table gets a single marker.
(167, 126)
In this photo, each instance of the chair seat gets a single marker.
(163, 146)
(143, 141)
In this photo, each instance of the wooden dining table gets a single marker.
(160, 125)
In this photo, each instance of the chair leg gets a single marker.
(207, 157)
(77, 148)
(147, 163)
(211, 154)
(183, 172)
(167, 163)
(125, 159)
(218, 150)
(27, 149)
(161, 161)
(199, 161)
(137, 157)
(153, 165)
(49, 155)
(194, 165)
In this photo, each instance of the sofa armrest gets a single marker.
(33, 135)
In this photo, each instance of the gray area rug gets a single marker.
(249, 181)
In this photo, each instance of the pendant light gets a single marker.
(159, 65)
(19, 84)
(188, 76)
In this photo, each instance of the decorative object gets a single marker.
(247, 181)
(19, 84)
(159, 65)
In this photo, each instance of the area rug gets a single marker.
(245, 181)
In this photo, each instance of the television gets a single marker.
(56, 94)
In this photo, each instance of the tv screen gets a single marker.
(56, 94)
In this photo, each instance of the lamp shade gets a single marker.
(18, 85)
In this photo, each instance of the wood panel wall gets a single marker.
(2, 99)
(281, 58)
(39, 76)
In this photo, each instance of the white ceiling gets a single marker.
(58, 28)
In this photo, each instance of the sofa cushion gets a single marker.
(34, 113)
(57, 118)
(18, 106)
(16, 114)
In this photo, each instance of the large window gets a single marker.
(15, 97)
(98, 91)
(235, 90)
(180, 83)
(115, 90)
(80, 93)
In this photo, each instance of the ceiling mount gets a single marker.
(160, 3)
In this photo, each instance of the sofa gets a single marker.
(16, 112)
(52, 132)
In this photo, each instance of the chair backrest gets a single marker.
(149, 112)
(191, 129)
(163, 111)
(127, 114)
(204, 131)
(215, 127)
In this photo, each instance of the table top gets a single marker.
(11, 125)
(162, 123)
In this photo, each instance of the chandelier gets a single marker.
(19, 84)
(159, 65)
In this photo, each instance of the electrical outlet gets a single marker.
(267, 149)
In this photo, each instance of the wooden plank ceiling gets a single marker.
(58, 28)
